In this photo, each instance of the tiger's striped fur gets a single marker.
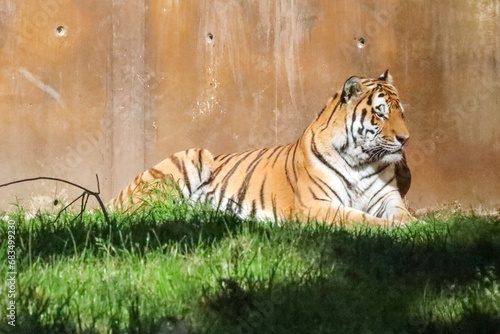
(348, 166)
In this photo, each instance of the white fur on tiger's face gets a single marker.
(375, 130)
(348, 166)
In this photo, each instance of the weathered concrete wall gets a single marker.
(55, 94)
(112, 87)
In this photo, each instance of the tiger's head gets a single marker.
(375, 130)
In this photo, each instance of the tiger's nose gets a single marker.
(402, 138)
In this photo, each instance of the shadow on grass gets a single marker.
(151, 230)
(329, 306)
(364, 280)
(384, 282)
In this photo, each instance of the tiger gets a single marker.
(349, 166)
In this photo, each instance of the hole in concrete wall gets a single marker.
(210, 37)
(61, 31)
(361, 42)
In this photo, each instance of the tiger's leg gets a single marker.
(392, 207)
(326, 212)
(187, 170)
(402, 215)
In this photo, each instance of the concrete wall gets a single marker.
(114, 86)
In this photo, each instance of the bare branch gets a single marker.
(86, 192)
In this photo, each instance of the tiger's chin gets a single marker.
(392, 157)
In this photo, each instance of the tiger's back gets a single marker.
(184, 171)
(252, 183)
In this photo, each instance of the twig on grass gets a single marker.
(85, 196)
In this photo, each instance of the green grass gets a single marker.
(177, 269)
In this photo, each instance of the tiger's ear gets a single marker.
(352, 89)
(385, 77)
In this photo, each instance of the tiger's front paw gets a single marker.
(403, 219)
